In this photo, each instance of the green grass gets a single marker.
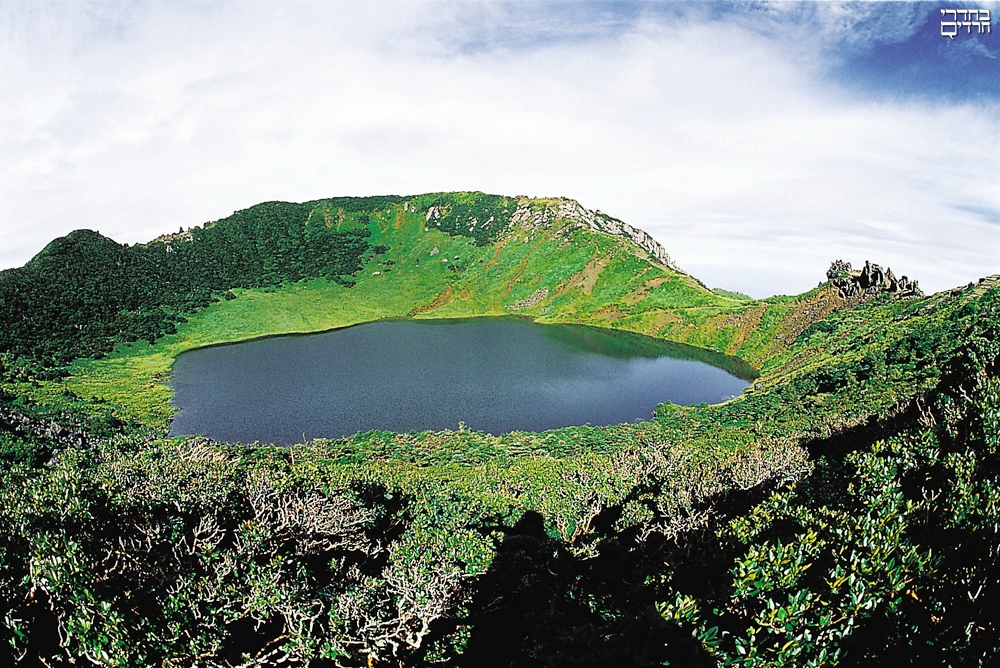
(555, 273)
(419, 276)
(449, 500)
(558, 273)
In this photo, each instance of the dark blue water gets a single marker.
(494, 374)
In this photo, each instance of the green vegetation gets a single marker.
(84, 293)
(477, 215)
(842, 511)
(543, 266)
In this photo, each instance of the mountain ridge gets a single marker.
(545, 258)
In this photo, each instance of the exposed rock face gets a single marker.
(870, 281)
(18, 423)
(595, 220)
(533, 300)
(179, 236)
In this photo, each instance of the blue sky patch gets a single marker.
(880, 49)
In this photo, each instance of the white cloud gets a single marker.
(723, 142)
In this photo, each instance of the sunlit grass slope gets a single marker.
(546, 264)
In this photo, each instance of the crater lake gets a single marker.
(493, 374)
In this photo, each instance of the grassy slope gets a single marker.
(855, 366)
(865, 364)
(553, 273)
(811, 385)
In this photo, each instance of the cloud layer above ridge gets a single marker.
(755, 141)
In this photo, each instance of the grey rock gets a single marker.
(870, 281)
(595, 220)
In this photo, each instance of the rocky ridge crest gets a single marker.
(529, 214)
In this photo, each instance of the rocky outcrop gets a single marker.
(534, 216)
(870, 281)
(177, 237)
(536, 298)
(21, 425)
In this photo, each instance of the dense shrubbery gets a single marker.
(889, 551)
(844, 510)
(879, 542)
(85, 293)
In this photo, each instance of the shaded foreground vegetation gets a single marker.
(842, 511)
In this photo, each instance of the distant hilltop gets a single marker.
(596, 220)
(533, 214)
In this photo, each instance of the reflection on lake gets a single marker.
(494, 374)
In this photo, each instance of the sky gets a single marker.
(757, 141)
